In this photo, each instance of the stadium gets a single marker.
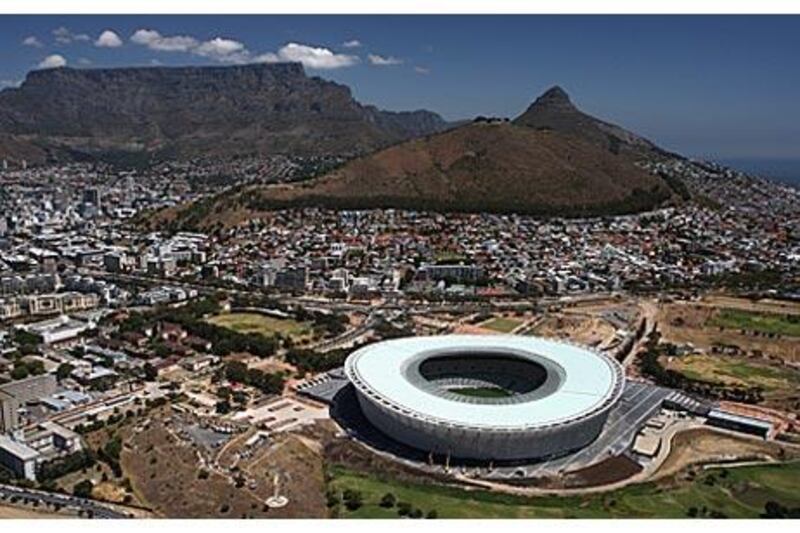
(486, 397)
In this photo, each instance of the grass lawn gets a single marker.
(265, 325)
(736, 371)
(482, 392)
(761, 322)
(449, 258)
(501, 324)
(738, 492)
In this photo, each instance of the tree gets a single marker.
(239, 397)
(403, 508)
(150, 372)
(26, 338)
(63, 371)
(83, 489)
(432, 514)
(223, 407)
(388, 500)
(36, 368)
(236, 371)
(20, 371)
(332, 498)
(352, 499)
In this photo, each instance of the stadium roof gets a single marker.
(588, 382)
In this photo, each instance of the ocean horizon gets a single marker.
(783, 170)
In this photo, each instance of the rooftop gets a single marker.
(587, 382)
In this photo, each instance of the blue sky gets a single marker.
(709, 86)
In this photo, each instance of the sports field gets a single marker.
(257, 323)
(736, 493)
(501, 324)
(768, 323)
(481, 392)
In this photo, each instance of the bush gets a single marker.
(404, 508)
(83, 489)
(332, 498)
(352, 499)
(388, 500)
(71, 463)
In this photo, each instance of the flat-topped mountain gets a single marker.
(190, 111)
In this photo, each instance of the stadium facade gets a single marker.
(486, 397)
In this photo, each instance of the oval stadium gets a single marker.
(486, 397)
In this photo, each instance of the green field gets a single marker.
(729, 370)
(482, 392)
(736, 493)
(788, 325)
(501, 324)
(257, 323)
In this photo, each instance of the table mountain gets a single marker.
(191, 111)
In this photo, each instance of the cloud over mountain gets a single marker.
(160, 43)
(108, 39)
(53, 61)
(310, 56)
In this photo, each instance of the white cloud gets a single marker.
(422, 70)
(10, 83)
(231, 51)
(108, 39)
(63, 35)
(155, 41)
(225, 50)
(83, 61)
(310, 56)
(53, 61)
(353, 43)
(381, 61)
(31, 40)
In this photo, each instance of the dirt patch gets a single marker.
(587, 330)
(179, 480)
(701, 446)
(691, 323)
(761, 306)
(10, 511)
(165, 474)
(605, 472)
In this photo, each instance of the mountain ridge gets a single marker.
(554, 110)
(559, 163)
(211, 110)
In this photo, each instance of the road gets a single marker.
(650, 312)
(97, 509)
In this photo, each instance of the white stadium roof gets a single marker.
(588, 380)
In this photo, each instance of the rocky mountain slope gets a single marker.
(554, 111)
(191, 111)
(563, 168)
